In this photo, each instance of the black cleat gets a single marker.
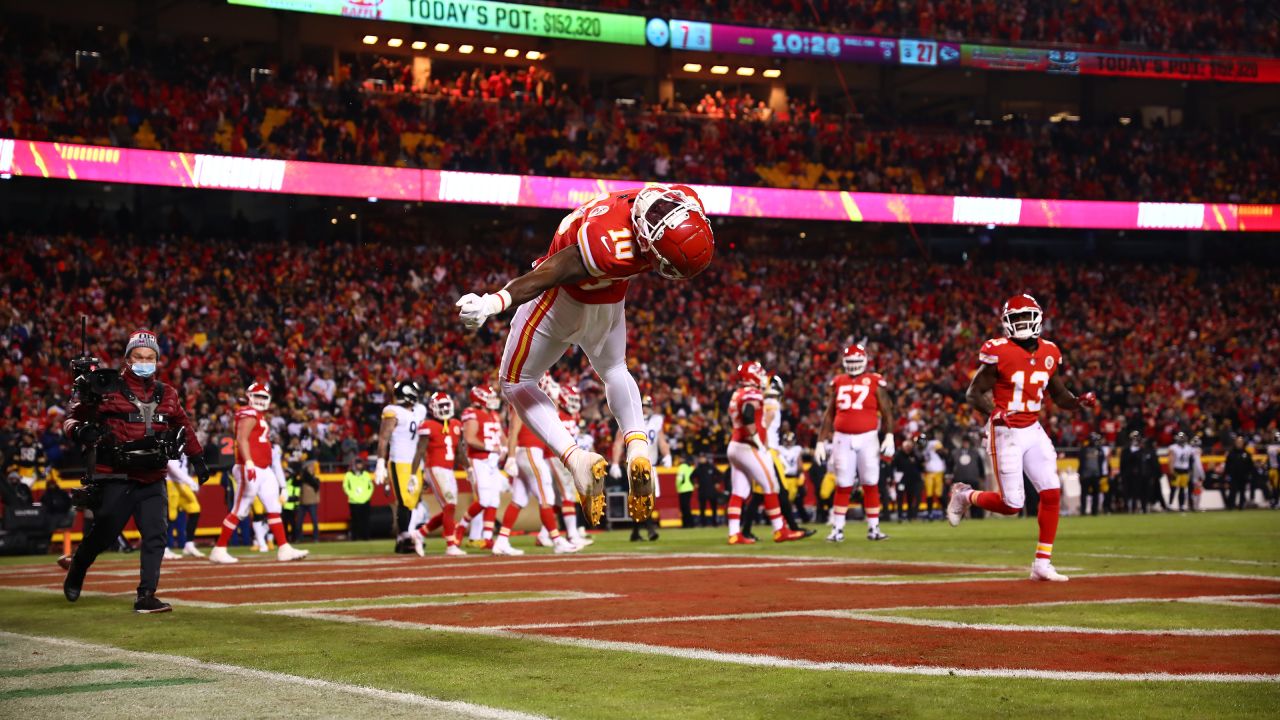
(653, 537)
(72, 583)
(149, 603)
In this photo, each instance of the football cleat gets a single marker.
(583, 539)
(741, 539)
(788, 535)
(502, 546)
(454, 551)
(836, 535)
(289, 553)
(478, 544)
(171, 555)
(1044, 572)
(543, 539)
(419, 543)
(220, 556)
(190, 550)
(262, 547)
(74, 580)
(640, 499)
(875, 534)
(563, 546)
(589, 470)
(959, 505)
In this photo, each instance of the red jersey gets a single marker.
(490, 432)
(1023, 377)
(742, 397)
(443, 439)
(527, 438)
(259, 437)
(857, 402)
(603, 233)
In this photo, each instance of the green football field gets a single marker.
(1165, 616)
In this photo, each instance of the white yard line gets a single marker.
(789, 663)
(446, 706)
(953, 625)
(547, 596)
(1121, 556)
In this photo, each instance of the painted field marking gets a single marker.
(451, 706)
(1120, 556)
(60, 690)
(954, 625)
(544, 596)
(772, 661)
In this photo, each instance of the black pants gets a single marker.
(300, 513)
(708, 498)
(148, 505)
(359, 520)
(686, 509)
(1090, 487)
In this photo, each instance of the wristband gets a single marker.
(505, 297)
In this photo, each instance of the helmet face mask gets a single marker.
(753, 374)
(1022, 318)
(669, 222)
(440, 406)
(484, 396)
(854, 360)
(407, 392)
(570, 399)
(259, 396)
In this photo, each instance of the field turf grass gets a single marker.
(400, 635)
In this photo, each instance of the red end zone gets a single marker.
(776, 610)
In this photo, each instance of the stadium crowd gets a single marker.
(333, 325)
(192, 97)
(1173, 25)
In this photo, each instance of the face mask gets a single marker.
(144, 370)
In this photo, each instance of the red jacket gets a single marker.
(115, 404)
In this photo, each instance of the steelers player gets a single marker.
(397, 440)
(182, 498)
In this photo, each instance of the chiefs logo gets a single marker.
(598, 210)
(1048, 363)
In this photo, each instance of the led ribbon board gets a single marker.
(480, 15)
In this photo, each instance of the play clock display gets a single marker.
(769, 42)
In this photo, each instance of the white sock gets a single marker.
(477, 527)
(544, 536)
(418, 516)
(735, 527)
(539, 413)
(838, 519)
(873, 522)
(259, 532)
(571, 523)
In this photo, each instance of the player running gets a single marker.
(183, 498)
(575, 295)
(439, 440)
(532, 479)
(484, 439)
(255, 478)
(857, 402)
(1009, 389)
(397, 441)
(749, 458)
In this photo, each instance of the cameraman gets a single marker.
(136, 425)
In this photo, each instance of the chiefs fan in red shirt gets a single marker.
(749, 458)
(439, 443)
(255, 477)
(1008, 389)
(858, 406)
(575, 296)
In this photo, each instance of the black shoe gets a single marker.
(807, 531)
(72, 583)
(652, 537)
(148, 603)
(749, 536)
(635, 537)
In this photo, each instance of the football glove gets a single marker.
(474, 309)
(666, 460)
(380, 472)
(250, 472)
(615, 471)
(1088, 399)
(510, 467)
(887, 446)
(820, 453)
(199, 469)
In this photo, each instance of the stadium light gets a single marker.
(746, 71)
(692, 67)
(772, 73)
(419, 45)
(444, 47)
(719, 69)
(511, 53)
(370, 39)
(333, 221)
(1126, 120)
(533, 55)
(395, 42)
(353, 216)
(490, 50)
(466, 49)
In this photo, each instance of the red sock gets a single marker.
(490, 515)
(569, 507)
(444, 518)
(735, 507)
(870, 500)
(229, 524)
(277, 529)
(1050, 509)
(475, 509)
(548, 514)
(508, 518)
(992, 502)
(840, 502)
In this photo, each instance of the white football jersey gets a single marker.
(1180, 458)
(771, 405)
(652, 429)
(404, 436)
(790, 457)
(933, 462)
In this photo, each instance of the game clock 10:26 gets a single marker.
(794, 43)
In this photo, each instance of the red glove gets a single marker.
(249, 473)
(997, 417)
(1088, 399)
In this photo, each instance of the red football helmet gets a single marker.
(855, 359)
(259, 395)
(570, 399)
(440, 406)
(484, 396)
(672, 228)
(548, 385)
(1021, 317)
(753, 374)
